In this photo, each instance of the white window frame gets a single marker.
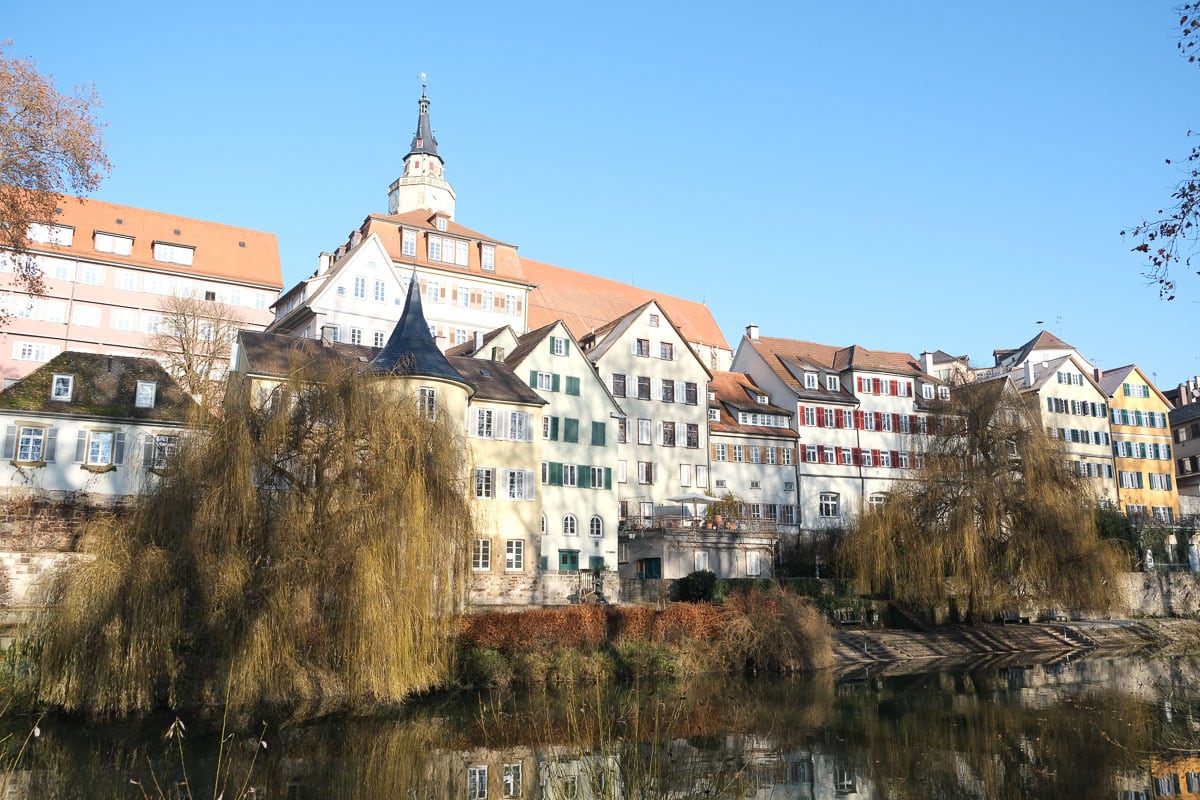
(62, 388)
(145, 394)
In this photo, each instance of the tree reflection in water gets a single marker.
(1126, 728)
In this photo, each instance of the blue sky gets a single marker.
(900, 176)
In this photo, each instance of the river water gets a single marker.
(1125, 728)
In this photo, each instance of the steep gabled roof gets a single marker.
(1112, 379)
(411, 350)
(527, 343)
(596, 347)
(1043, 341)
(102, 386)
(494, 380)
(585, 303)
(790, 358)
(1044, 370)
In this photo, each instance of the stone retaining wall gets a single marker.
(1162, 594)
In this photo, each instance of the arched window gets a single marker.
(570, 526)
(596, 526)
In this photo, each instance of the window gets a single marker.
(829, 455)
(487, 258)
(30, 444)
(558, 345)
(158, 450)
(568, 560)
(739, 453)
(829, 504)
(832, 383)
(520, 485)
(112, 243)
(460, 335)
(721, 452)
(618, 385)
(595, 527)
(622, 471)
(848, 418)
(485, 482)
(484, 419)
(689, 393)
(785, 456)
(510, 304)
(486, 300)
(100, 448)
(173, 253)
(702, 476)
(378, 338)
(692, 431)
(570, 430)
(572, 385)
(599, 430)
(481, 555)
(623, 430)
(666, 351)
(641, 347)
(645, 472)
(644, 435)
(514, 557)
(596, 475)
(41, 233)
(753, 563)
(145, 394)
(927, 391)
(512, 780)
(427, 402)
(643, 388)
(714, 415)
(545, 381)
(755, 454)
(435, 248)
(668, 390)
(33, 351)
(408, 244)
(569, 479)
(652, 321)
(810, 416)
(62, 387)
(380, 291)
(668, 434)
(433, 294)
(943, 392)
(464, 296)
(810, 454)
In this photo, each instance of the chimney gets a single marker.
(355, 237)
(927, 362)
(497, 354)
(1096, 374)
(752, 333)
(323, 263)
(478, 342)
(1029, 373)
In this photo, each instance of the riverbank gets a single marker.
(892, 651)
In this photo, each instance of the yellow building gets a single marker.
(1141, 441)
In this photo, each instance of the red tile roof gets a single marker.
(779, 352)
(221, 251)
(586, 302)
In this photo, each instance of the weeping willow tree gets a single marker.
(307, 552)
(994, 515)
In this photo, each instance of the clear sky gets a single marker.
(903, 176)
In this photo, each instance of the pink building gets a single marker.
(108, 269)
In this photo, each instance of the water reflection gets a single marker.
(1104, 728)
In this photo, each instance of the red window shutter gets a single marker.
(910, 388)
(803, 449)
(860, 383)
(877, 386)
(856, 454)
(878, 420)
(875, 457)
(800, 417)
(837, 418)
(912, 423)
(858, 420)
(837, 455)
(895, 458)
(896, 423)
(821, 453)
(820, 418)
(895, 387)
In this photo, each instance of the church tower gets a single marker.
(422, 185)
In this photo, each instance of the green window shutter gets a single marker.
(554, 429)
(598, 431)
(10, 442)
(566, 347)
(550, 341)
(1168, 477)
(556, 472)
(572, 385)
(595, 562)
(554, 385)
(544, 563)
(585, 476)
(533, 379)
(1140, 484)
(608, 477)
(570, 430)
(1125, 386)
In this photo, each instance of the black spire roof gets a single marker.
(423, 141)
(411, 350)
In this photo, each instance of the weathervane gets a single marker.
(424, 81)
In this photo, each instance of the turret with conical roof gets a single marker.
(422, 186)
(410, 350)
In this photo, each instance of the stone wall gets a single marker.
(1162, 594)
(521, 589)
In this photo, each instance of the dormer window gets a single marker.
(180, 254)
(944, 392)
(487, 258)
(762, 399)
(832, 383)
(714, 415)
(62, 387)
(112, 243)
(408, 245)
(448, 251)
(42, 233)
(146, 392)
(927, 391)
(810, 380)
(441, 223)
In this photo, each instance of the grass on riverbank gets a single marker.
(760, 631)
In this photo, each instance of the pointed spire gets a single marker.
(423, 141)
(411, 350)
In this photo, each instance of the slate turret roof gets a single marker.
(411, 350)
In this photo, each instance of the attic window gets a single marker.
(810, 380)
(653, 320)
(146, 392)
(180, 254)
(62, 387)
(927, 391)
(487, 258)
(832, 383)
(944, 392)
(762, 399)
(112, 243)
(50, 234)
(441, 223)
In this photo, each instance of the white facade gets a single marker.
(661, 385)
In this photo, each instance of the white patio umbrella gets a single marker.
(695, 498)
